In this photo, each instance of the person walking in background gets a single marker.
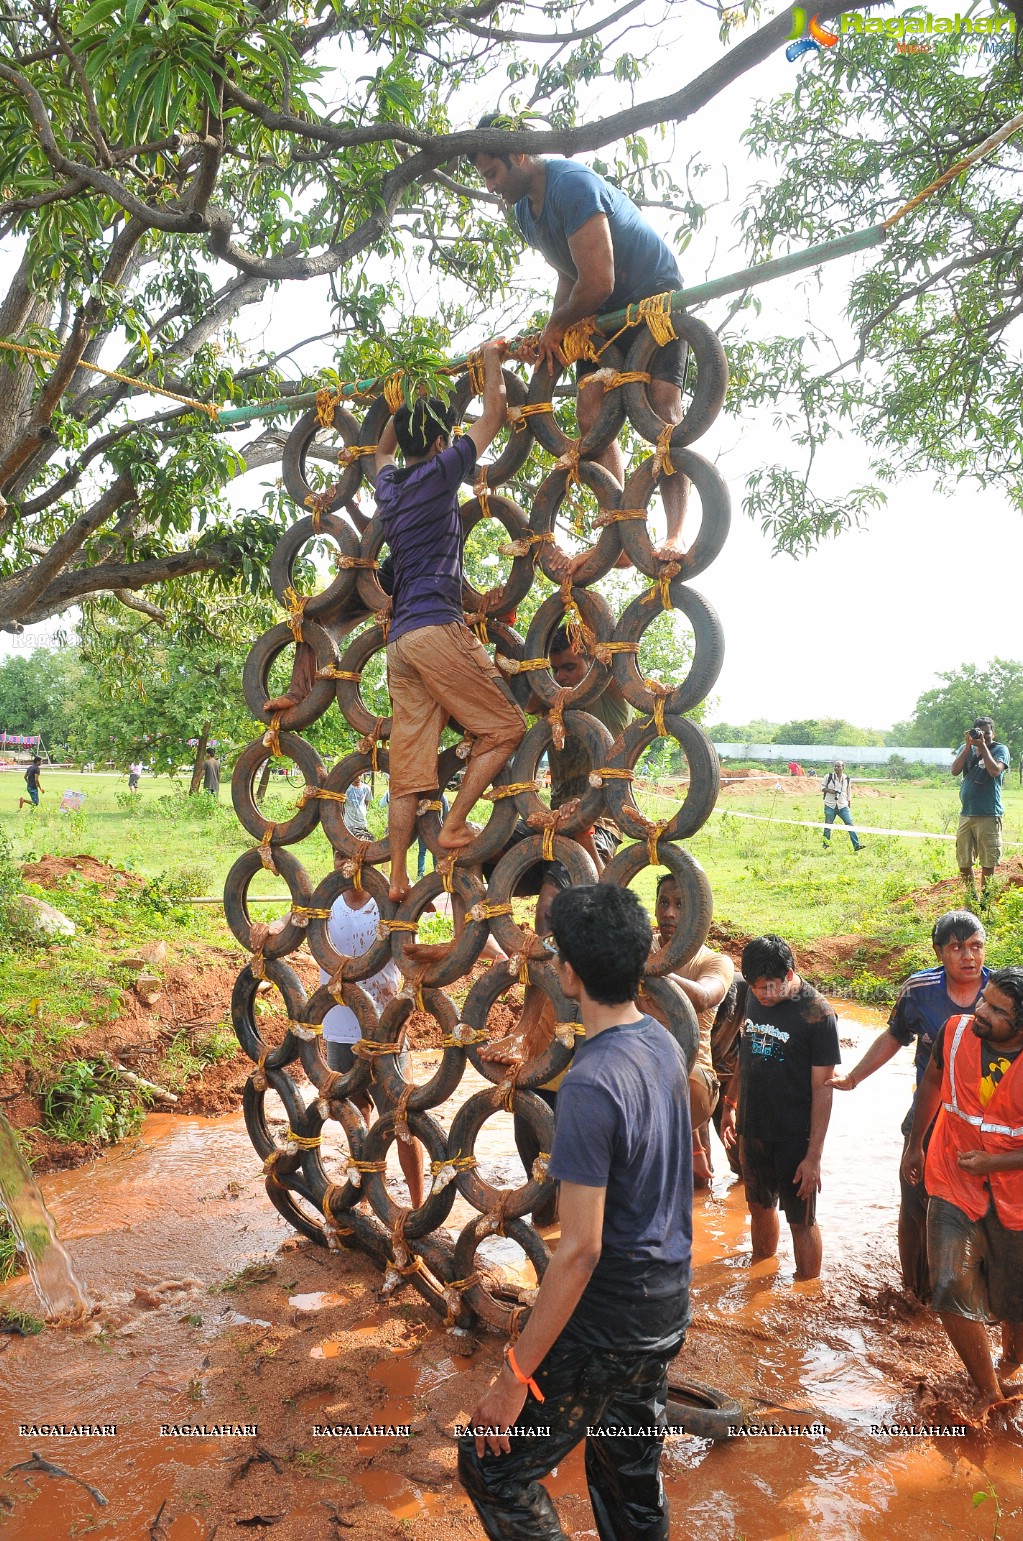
(211, 774)
(357, 800)
(982, 763)
(32, 783)
(836, 787)
(134, 775)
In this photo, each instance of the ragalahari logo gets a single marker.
(807, 38)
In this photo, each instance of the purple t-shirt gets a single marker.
(418, 507)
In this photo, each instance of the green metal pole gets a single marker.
(681, 299)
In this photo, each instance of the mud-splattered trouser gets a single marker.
(583, 1387)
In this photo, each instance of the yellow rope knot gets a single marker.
(353, 867)
(265, 854)
(655, 829)
(524, 546)
(303, 1141)
(318, 503)
(272, 737)
(556, 718)
(482, 491)
(385, 927)
(487, 911)
(662, 456)
(394, 391)
(296, 603)
(569, 462)
(365, 562)
(327, 401)
(513, 789)
(518, 416)
(655, 310)
(577, 342)
(617, 516)
(350, 453)
(510, 666)
(332, 672)
(475, 371)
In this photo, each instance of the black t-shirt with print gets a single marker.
(781, 1045)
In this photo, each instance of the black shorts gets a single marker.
(668, 363)
(553, 872)
(976, 1265)
(768, 1167)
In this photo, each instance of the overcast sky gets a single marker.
(860, 628)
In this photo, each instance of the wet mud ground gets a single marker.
(213, 1312)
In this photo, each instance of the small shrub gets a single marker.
(88, 1101)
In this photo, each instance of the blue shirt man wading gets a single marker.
(613, 1306)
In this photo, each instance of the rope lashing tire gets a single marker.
(708, 649)
(711, 368)
(365, 964)
(436, 1206)
(506, 596)
(332, 809)
(502, 1308)
(697, 903)
(598, 618)
(312, 442)
(546, 429)
(464, 949)
(247, 770)
(461, 1142)
(444, 1081)
(599, 558)
(519, 859)
(274, 1142)
(332, 603)
(256, 674)
(510, 460)
(236, 893)
(595, 739)
(715, 512)
(362, 647)
(243, 1014)
(479, 1003)
(704, 778)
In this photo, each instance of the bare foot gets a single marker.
(702, 1173)
(509, 1050)
(399, 889)
(279, 704)
(455, 839)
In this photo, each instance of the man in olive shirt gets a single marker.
(982, 763)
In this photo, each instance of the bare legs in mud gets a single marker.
(971, 1342)
(765, 1233)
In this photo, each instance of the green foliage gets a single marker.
(9, 1265)
(38, 693)
(943, 715)
(87, 1101)
(21, 1322)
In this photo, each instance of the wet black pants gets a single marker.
(582, 1386)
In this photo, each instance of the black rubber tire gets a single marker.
(236, 888)
(691, 932)
(678, 1013)
(514, 864)
(701, 1410)
(294, 470)
(444, 1081)
(711, 381)
(506, 596)
(704, 778)
(716, 513)
(466, 947)
(597, 614)
(507, 1313)
(466, 1125)
(547, 500)
(610, 421)
(511, 644)
(332, 812)
(248, 765)
(330, 888)
(478, 1004)
(335, 1086)
(350, 1119)
(254, 1112)
(349, 697)
(331, 603)
(596, 740)
(516, 452)
(436, 1206)
(255, 675)
(373, 425)
(708, 652)
(243, 1016)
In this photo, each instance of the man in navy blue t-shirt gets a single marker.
(436, 667)
(613, 1306)
(926, 1001)
(606, 256)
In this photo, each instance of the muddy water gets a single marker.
(156, 1223)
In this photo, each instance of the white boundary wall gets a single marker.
(817, 754)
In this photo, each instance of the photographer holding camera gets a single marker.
(982, 763)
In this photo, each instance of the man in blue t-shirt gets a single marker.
(436, 667)
(926, 1001)
(606, 256)
(613, 1306)
(982, 763)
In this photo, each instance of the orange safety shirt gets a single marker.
(966, 1123)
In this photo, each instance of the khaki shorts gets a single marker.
(435, 673)
(703, 1095)
(978, 838)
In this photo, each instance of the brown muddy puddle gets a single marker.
(157, 1227)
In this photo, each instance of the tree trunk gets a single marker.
(200, 755)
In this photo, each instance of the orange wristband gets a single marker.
(523, 1380)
